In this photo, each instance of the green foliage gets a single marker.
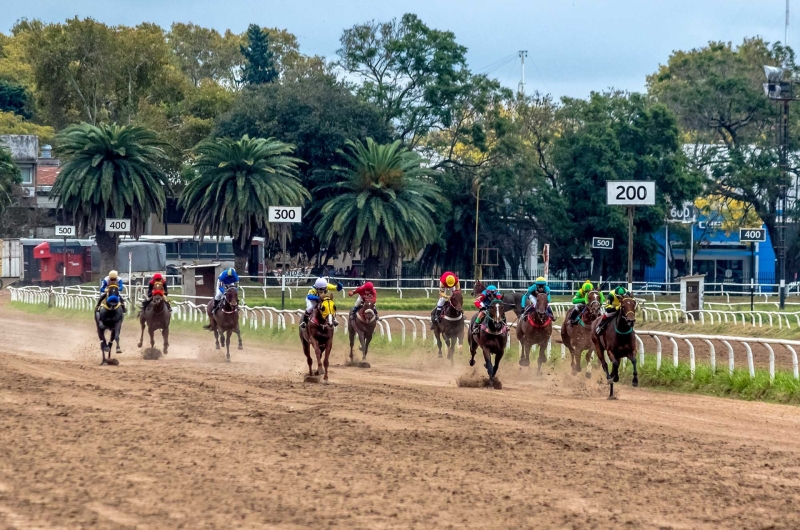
(235, 182)
(9, 178)
(259, 61)
(11, 123)
(203, 54)
(14, 98)
(385, 206)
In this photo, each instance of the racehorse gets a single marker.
(156, 316)
(225, 321)
(109, 318)
(618, 339)
(363, 325)
(451, 324)
(511, 301)
(319, 334)
(578, 337)
(534, 329)
(492, 339)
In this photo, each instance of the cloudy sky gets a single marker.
(574, 46)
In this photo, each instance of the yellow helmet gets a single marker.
(540, 279)
(450, 280)
(113, 275)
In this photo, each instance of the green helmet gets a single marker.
(620, 291)
(587, 286)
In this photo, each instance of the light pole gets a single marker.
(778, 89)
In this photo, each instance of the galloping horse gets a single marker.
(156, 316)
(109, 318)
(618, 339)
(511, 301)
(535, 330)
(451, 324)
(578, 337)
(492, 339)
(225, 321)
(363, 325)
(319, 334)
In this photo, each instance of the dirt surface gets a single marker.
(189, 441)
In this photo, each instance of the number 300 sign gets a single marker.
(631, 193)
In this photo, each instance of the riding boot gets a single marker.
(376, 314)
(436, 315)
(169, 306)
(577, 314)
(604, 322)
(304, 321)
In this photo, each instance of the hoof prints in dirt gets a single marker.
(151, 354)
(112, 362)
(311, 379)
(474, 380)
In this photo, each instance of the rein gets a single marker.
(452, 319)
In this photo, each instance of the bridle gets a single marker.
(449, 305)
(495, 307)
(366, 310)
(227, 302)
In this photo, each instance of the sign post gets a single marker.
(283, 215)
(685, 215)
(752, 236)
(65, 232)
(630, 193)
(602, 243)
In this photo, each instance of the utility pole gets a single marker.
(522, 55)
(784, 164)
(786, 27)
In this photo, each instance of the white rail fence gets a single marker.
(271, 318)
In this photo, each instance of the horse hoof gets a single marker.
(440, 355)
(497, 384)
(241, 347)
(635, 383)
(139, 345)
(616, 378)
(113, 362)
(325, 381)
(472, 362)
(588, 375)
(612, 398)
(363, 364)
(119, 350)
(609, 379)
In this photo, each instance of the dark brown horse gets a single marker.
(577, 337)
(156, 316)
(492, 339)
(618, 339)
(319, 334)
(534, 329)
(362, 325)
(108, 318)
(225, 321)
(511, 301)
(451, 324)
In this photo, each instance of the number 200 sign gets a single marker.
(631, 193)
(285, 214)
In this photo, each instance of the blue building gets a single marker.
(718, 255)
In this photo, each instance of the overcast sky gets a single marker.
(574, 46)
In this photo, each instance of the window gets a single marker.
(27, 175)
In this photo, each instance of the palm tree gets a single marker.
(110, 171)
(235, 182)
(9, 178)
(384, 209)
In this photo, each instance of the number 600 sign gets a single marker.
(631, 192)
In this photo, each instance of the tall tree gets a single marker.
(204, 54)
(14, 98)
(9, 178)
(384, 208)
(234, 184)
(259, 60)
(110, 171)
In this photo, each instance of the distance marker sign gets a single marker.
(605, 243)
(752, 235)
(631, 192)
(118, 225)
(65, 231)
(285, 214)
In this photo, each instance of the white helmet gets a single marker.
(321, 283)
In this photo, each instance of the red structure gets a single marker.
(57, 261)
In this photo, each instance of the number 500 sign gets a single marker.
(631, 192)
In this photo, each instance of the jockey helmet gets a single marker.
(113, 299)
(113, 275)
(540, 281)
(157, 276)
(321, 283)
(450, 280)
(368, 285)
(587, 286)
(491, 289)
(620, 291)
(231, 271)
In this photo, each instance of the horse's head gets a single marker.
(628, 310)
(541, 304)
(327, 308)
(368, 307)
(478, 288)
(232, 297)
(457, 301)
(496, 314)
(593, 302)
(158, 298)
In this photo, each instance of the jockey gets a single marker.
(482, 303)
(365, 291)
(580, 300)
(156, 284)
(448, 284)
(227, 278)
(539, 286)
(112, 280)
(612, 306)
(321, 290)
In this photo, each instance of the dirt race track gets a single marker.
(188, 441)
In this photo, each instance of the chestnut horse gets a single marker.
(225, 321)
(363, 325)
(618, 339)
(156, 316)
(492, 339)
(511, 301)
(451, 324)
(535, 330)
(578, 337)
(319, 334)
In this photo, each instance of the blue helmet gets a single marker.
(230, 271)
(113, 299)
(491, 288)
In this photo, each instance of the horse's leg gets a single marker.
(589, 353)
(451, 348)
(615, 371)
(542, 347)
(307, 352)
(362, 340)
(165, 337)
(318, 353)
(352, 333)
(216, 336)
(524, 357)
(635, 381)
(473, 348)
(239, 336)
(141, 335)
(487, 358)
(117, 336)
(228, 345)
(328, 347)
(152, 333)
(438, 336)
(367, 340)
(497, 357)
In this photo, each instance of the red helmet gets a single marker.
(157, 276)
(449, 279)
(368, 285)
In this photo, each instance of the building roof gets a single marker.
(46, 175)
